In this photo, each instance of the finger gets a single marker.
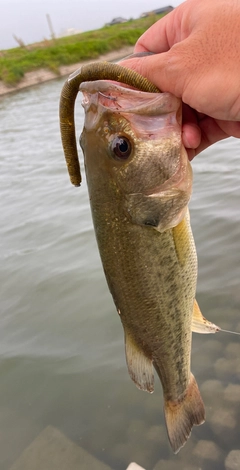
(200, 131)
(211, 132)
(153, 67)
(163, 34)
(231, 128)
(159, 37)
(191, 133)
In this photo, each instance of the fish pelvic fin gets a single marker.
(140, 367)
(182, 414)
(200, 324)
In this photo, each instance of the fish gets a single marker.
(140, 182)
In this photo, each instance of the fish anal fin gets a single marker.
(140, 367)
(200, 324)
(181, 415)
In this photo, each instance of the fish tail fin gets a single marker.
(182, 414)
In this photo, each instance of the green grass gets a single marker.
(14, 63)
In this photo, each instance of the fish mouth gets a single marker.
(125, 99)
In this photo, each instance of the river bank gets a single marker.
(43, 74)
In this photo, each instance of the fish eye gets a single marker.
(121, 147)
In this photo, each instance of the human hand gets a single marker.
(196, 57)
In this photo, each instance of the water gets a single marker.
(61, 343)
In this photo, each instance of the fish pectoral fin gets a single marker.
(161, 210)
(200, 324)
(140, 367)
(182, 414)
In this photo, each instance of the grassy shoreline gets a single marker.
(43, 75)
(54, 55)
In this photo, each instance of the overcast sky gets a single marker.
(27, 18)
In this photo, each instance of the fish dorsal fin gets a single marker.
(140, 367)
(200, 324)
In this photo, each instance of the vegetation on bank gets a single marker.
(14, 63)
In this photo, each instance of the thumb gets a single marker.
(161, 69)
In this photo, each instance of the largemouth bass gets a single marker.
(140, 181)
